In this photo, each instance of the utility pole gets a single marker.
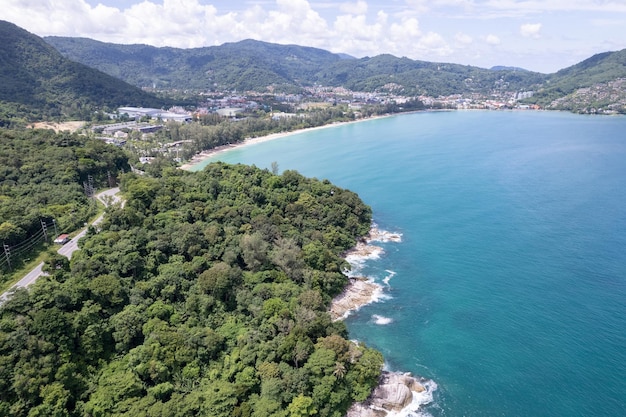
(88, 185)
(45, 229)
(7, 254)
(91, 189)
(54, 222)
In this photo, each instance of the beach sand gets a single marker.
(202, 156)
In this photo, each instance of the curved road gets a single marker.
(106, 197)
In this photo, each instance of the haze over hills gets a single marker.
(599, 81)
(39, 81)
(260, 66)
(255, 65)
(36, 81)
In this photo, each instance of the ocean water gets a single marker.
(508, 288)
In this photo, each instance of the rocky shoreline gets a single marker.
(359, 292)
(396, 392)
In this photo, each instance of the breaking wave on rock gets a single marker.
(381, 320)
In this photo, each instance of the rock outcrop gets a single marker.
(393, 393)
(358, 292)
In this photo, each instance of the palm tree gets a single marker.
(340, 370)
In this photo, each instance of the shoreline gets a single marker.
(209, 153)
(361, 291)
(397, 393)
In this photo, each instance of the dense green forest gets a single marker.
(205, 295)
(37, 82)
(254, 66)
(42, 176)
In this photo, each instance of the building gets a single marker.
(62, 239)
(139, 112)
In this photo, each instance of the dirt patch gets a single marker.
(59, 127)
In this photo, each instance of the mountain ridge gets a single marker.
(37, 81)
(256, 65)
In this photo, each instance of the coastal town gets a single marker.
(137, 128)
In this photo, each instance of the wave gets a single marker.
(358, 293)
(360, 254)
(420, 399)
(379, 235)
(388, 277)
(362, 290)
(382, 320)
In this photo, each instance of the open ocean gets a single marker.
(509, 286)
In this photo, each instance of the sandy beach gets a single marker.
(202, 156)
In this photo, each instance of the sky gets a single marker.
(538, 35)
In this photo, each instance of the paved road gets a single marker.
(107, 197)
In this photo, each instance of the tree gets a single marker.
(301, 406)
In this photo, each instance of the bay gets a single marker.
(509, 286)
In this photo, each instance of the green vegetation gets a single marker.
(37, 82)
(205, 295)
(42, 176)
(212, 131)
(596, 83)
(256, 66)
(246, 65)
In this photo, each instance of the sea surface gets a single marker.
(508, 288)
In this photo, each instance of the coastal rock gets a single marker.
(363, 250)
(393, 394)
(377, 235)
(395, 391)
(357, 293)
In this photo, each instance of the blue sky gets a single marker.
(539, 35)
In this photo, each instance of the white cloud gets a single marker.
(433, 43)
(492, 39)
(360, 7)
(530, 30)
(463, 38)
(418, 29)
(418, 6)
(408, 28)
(541, 6)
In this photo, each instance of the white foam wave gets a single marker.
(379, 235)
(378, 294)
(388, 277)
(358, 257)
(357, 295)
(382, 320)
(419, 399)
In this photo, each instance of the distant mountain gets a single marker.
(37, 82)
(599, 69)
(261, 66)
(245, 65)
(255, 65)
(504, 68)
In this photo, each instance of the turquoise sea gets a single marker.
(509, 286)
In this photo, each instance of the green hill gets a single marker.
(245, 65)
(387, 72)
(254, 65)
(567, 88)
(37, 82)
(205, 295)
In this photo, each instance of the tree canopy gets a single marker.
(42, 176)
(205, 295)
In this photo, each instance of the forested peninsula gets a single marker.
(206, 294)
